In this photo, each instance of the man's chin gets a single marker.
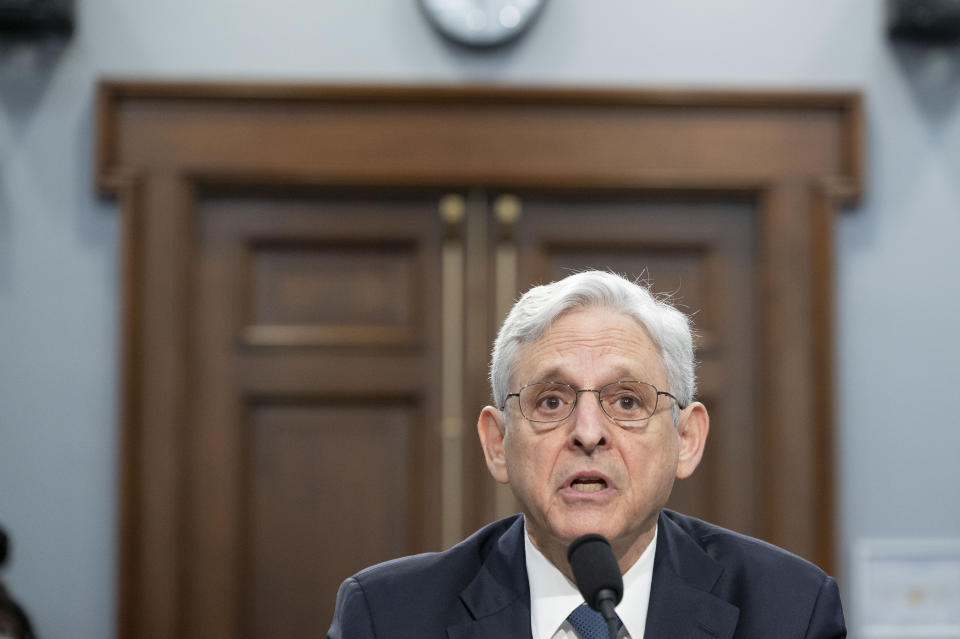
(569, 530)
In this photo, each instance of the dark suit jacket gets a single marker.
(708, 583)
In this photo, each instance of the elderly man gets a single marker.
(593, 419)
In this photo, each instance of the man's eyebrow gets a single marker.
(624, 373)
(557, 374)
(554, 374)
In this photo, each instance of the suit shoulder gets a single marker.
(739, 553)
(778, 594)
(420, 595)
(459, 561)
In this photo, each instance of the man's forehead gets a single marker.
(613, 342)
(601, 328)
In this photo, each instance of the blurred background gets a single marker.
(896, 259)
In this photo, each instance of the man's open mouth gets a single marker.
(588, 484)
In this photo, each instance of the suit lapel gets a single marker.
(681, 604)
(498, 598)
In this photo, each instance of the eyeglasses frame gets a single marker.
(576, 400)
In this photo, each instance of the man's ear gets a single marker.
(492, 429)
(692, 432)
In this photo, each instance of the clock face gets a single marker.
(481, 23)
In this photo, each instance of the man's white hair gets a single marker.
(541, 306)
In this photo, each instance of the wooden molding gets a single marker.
(340, 135)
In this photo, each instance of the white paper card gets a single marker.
(909, 588)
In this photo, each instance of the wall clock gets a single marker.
(481, 23)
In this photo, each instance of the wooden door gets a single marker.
(314, 349)
(313, 277)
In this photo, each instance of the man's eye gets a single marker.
(627, 403)
(550, 403)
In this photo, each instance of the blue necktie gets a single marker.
(589, 623)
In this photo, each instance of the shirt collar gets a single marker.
(553, 596)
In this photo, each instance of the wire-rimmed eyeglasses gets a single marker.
(628, 402)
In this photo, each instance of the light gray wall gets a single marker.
(896, 253)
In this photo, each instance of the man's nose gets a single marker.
(590, 429)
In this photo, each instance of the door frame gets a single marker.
(798, 153)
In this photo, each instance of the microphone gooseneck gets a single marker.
(597, 575)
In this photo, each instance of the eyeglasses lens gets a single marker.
(553, 402)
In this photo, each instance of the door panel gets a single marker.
(321, 479)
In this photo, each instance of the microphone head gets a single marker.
(595, 569)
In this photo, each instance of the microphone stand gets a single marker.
(606, 601)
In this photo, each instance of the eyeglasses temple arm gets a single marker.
(680, 405)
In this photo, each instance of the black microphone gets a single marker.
(597, 575)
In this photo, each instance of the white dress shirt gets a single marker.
(553, 596)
